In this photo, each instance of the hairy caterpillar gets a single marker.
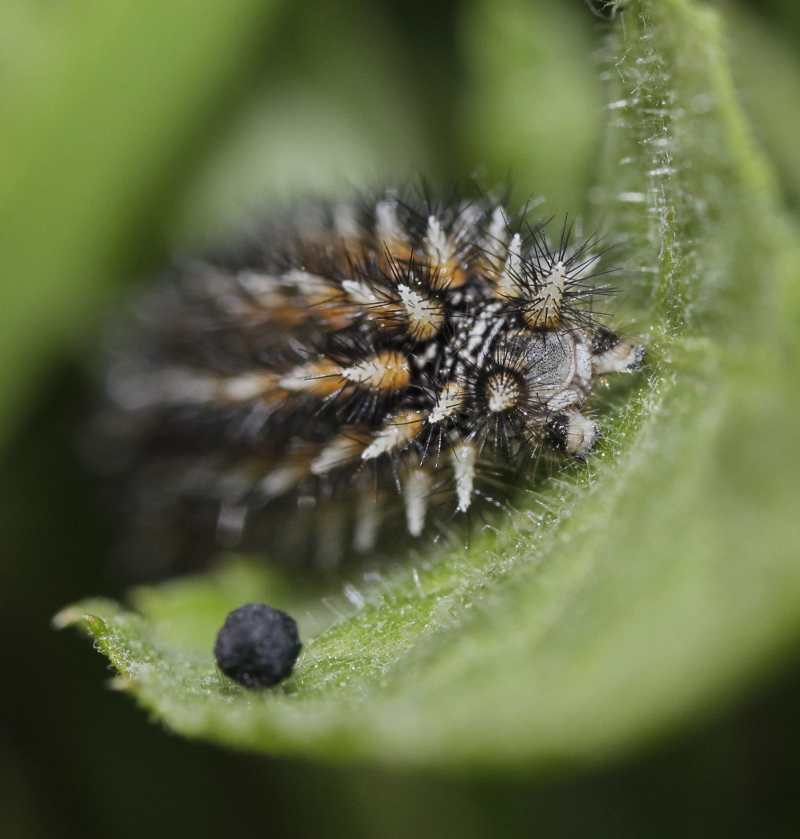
(348, 371)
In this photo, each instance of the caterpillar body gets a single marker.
(353, 371)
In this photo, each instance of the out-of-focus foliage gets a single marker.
(528, 84)
(332, 114)
(627, 598)
(102, 106)
(766, 69)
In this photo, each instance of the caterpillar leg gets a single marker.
(611, 354)
(464, 456)
(417, 486)
(571, 432)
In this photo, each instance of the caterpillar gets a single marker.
(354, 370)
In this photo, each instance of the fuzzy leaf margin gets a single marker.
(628, 597)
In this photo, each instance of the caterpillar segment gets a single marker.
(361, 365)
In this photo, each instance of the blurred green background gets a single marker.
(131, 131)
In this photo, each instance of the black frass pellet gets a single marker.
(257, 646)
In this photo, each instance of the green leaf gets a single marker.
(334, 111)
(767, 71)
(102, 105)
(532, 109)
(625, 598)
